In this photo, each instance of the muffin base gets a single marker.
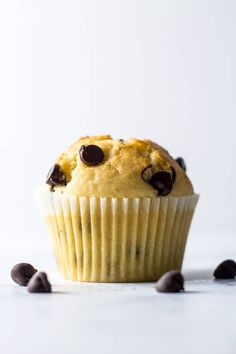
(117, 239)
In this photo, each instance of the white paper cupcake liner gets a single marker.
(117, 239)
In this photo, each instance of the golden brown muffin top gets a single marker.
(100, 166)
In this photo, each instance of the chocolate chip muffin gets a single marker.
(117, 211)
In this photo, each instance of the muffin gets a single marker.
(117, 211)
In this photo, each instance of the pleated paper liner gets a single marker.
(117, 239)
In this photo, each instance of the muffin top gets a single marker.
(100, 166)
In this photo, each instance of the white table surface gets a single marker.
(120, 318)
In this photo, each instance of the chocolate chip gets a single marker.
(91, 155)
(21, 273)
(147, 174)
(56, 176)
(225, 270)
(162, 181)
(173, 174)
(39, 284)
(171, 282)
(181, 162)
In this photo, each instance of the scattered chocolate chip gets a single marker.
(147, 174)
(170, 282)
(173, 174)
(225, 270)
(91, 155)
(181, 162)
(21, 273)
(162, 181)
(56, 176)
(39, 284)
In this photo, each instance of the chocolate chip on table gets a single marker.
(147, 173)
(91, 155)
(225, 270)
(56, 176)
(170, 282)
(39, 284)
(162, 181)
(21, 273)
(181, 163)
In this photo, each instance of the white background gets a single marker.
(163, 70)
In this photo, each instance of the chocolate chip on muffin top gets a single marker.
(91, 155)
(56, 176)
